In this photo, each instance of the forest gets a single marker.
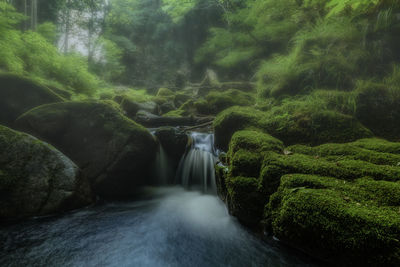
(200, 132)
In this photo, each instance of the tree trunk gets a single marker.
(34, 15)
(67, 15)
(26, 14)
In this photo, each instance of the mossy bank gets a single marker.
(339, 202)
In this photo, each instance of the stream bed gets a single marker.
(166, 227)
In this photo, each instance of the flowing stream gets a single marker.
(164, 226)
(196, 169)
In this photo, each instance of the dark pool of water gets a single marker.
(171, 227)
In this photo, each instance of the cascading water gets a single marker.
(162, 168)
(196, 168)
(164, 226)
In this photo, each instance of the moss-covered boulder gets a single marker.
(292, 126)
(237, 182)
(315, 127)
(216, 101)
(346, 223)
(232, 120)
(19, 94)
(36, 179)
(340, 202)
(165, 92)
(113, 151)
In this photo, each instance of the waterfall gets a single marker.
(163, 170)
(196, 168)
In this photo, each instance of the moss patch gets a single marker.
(340, 202)
(291, 124)
(337, 152)
(216, 101)
(232, 120)
(344, 222)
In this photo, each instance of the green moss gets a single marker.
(275, 166)
(337, 220)
(202, 106)
(245, 163)
(189, 108)
(379, 145)
(254, 141)
(312, 127)
(175, 113)
(293, 122)
(336, 152)
(234, 119)
(160, 99)
(363, 190)
(221, 175)
(181, 98)
(245, 200)
(165, 92)
(245, 158)
(216, 101)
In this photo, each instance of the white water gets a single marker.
(196, 169)
(168, 227)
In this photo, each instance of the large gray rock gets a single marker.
(36, 178)
(19, 94)
(113, 151)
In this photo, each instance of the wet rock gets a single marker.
(37, 179)
(19, 94)
(113, 151)
(173, 140)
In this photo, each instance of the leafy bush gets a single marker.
(30, 53)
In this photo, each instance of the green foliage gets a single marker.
(177, 9)
(256, 29)
(356, 6)
(109, 65)
(143, 32)
(30, 53)
(326, 54)
(49, 31)
(9, 17)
